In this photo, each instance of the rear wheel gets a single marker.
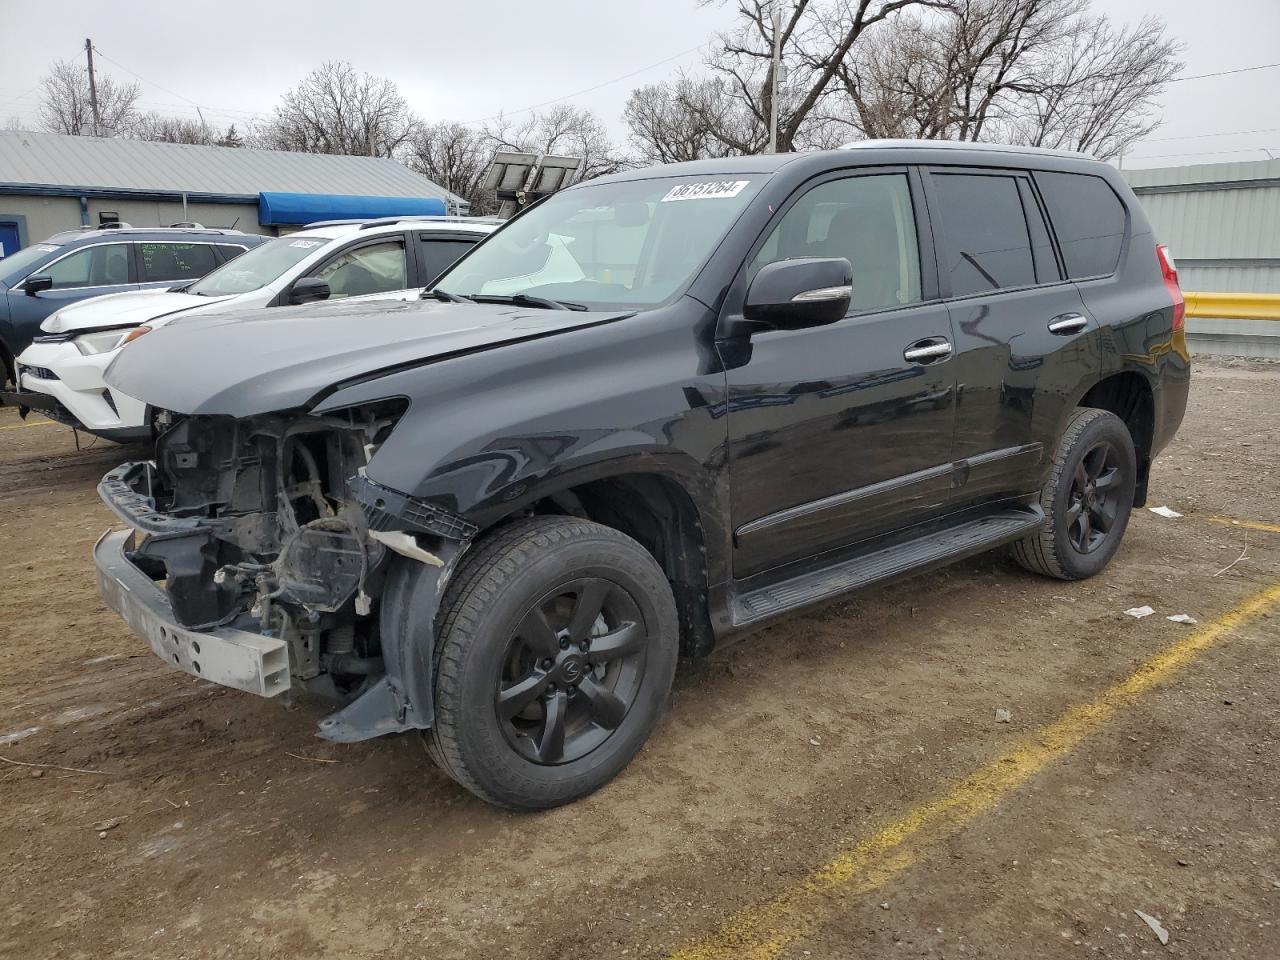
(556, 647)
(1087, 498)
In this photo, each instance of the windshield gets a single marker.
(256, 268)
(629, 243)
(16, 266)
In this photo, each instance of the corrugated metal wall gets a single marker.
(1221, 220)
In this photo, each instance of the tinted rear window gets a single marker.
(439, 255)
(1089, 220)
(175, 261)
(984, 233)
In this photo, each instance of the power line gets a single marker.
(592, 89)
(1225, 73)
(1205, 136)
(142, 78)
(1198, 153)
(194, 103)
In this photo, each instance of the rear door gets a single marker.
(1024, 338)
(439, 250)
(165, 263)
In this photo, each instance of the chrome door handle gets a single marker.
(927, 351)
(1068, 323)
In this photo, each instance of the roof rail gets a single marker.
(365, 224)
(130, 230)
(428, 218)
(976, 146)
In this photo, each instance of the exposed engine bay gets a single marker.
(268, 524)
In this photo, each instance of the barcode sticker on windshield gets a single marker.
(709, 190)
(305, 244)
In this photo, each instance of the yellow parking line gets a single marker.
(1247, 524)
(762, 931)
(19, 426)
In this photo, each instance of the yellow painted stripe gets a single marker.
(1247, 524)
(762, 931)
(19, 426)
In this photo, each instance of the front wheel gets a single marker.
(555, 652)
(1087, 498)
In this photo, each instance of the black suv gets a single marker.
(650, 414)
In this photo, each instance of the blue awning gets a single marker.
(298, 208)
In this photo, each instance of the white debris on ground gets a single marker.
(1182, 618)
(1165, 512)
(8, 738)
(1156, 927)
(1003, 715)
(1139, 612)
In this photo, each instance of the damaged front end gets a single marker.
(261, 557)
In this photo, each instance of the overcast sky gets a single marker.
(469, 60)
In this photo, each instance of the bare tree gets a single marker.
(1044, 72)
(816, 38)
(1099, 92)
(65, 105)
(564, 130)
(336, 110)
(165, 129)
(687, 119)
(456, 157)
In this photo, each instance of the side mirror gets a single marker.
(308, 290)
(37, 283)
(804, 292)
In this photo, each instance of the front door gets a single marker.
(87, 272)
(843, 432)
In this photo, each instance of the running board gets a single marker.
(954, 543)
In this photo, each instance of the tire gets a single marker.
(1095, 443)
(509, 661)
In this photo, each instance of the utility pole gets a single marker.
(93, 89)
(773, 76)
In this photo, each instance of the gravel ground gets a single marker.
(215, 824)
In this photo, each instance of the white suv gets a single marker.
(61, 373)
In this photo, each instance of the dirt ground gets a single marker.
(216, 824)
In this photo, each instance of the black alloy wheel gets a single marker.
(1095, 497)
(1086, 499)
(572, 671)
(555, 649)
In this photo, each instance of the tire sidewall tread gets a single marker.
(1050, 552)
(489, 585)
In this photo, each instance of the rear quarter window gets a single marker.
(1089, 220)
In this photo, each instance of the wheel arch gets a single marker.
(1129, 395)
(656, 508)
(6, 362)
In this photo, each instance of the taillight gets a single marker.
(1169, 271)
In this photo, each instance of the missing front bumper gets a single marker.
(227, 656)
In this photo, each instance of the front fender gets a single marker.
(489, 433)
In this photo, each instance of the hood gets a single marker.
(120, 309)
(257, 361)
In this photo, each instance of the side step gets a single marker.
(954, 543)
